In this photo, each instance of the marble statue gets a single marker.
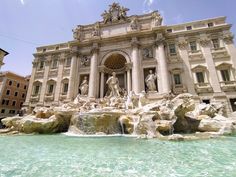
(115, 13)
(157, 19)
(150, 81)
(133, 24)
(142, 99)
(84, 86)
(129, 102)
(123, 13)
(77, 33)
(113, 84)
(96, 30)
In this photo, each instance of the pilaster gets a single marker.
(30, 86)
(188, 78)
(45, 79)
(59, 78)
(229, 45)
(206, 50)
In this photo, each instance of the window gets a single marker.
(25, 87)
(16, 93)
(41, 65)
(177, 79)
(36, 90)
(18, 85)
(3, 111)
(215, 43)
(189, 27)
(44, 50)
(21, 104)
(225, 75)
(10, 82)
(7, 102)
(54, 64)
(210, 25)
(193, 46)
(50, 88)
(172, 49)
(12, 111)
(68, 62)
(8, 92)
(23, 95)
(169, 30)
(13, 103)
(3, 102)
(65, 88)
(200, 77)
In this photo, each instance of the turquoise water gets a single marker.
(60, 155)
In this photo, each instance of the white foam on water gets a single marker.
(95, 135)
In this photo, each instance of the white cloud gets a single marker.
(22, 2)
(148, 2)
(147, 6)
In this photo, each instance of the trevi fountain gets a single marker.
(122, 134)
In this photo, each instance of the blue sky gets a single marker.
(27, 24)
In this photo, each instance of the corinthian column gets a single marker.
(188, 79)
(136, 70)
(74, 53)
(93, 76)
(128, 74)
(163, 74)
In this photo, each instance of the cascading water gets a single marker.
(136, 120)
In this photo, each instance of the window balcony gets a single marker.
(49, 97)
(34, 98)
(63, 96)
(203, 88)
(179, 88)
(228, 86)
(220, 52)
(195, 55)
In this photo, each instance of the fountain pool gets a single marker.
(61, 155)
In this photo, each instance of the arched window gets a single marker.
(36, 88)
(65, 86)
(51, 84)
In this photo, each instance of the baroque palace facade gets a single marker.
(197, 57)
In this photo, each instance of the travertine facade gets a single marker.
(3, 53)
(197, 57)
(13, 89)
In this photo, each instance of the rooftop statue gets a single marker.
(115, 13)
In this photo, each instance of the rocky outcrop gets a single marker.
(164, 119)
(93, 123)
(219, 124)
(59, 122)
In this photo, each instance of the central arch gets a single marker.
(115, 61)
